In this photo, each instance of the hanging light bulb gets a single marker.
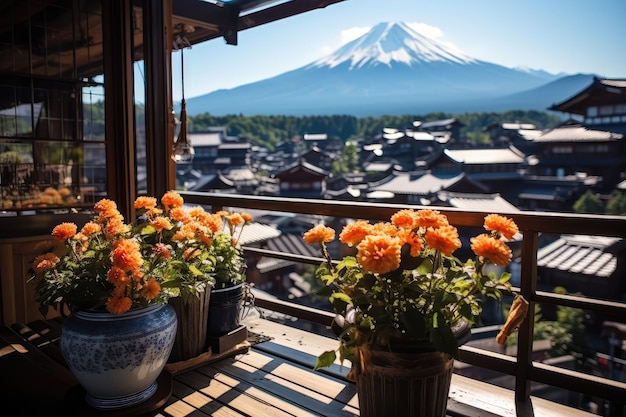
(182, 151)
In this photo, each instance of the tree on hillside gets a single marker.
(349, 159)
(589, 203)
(617, 204)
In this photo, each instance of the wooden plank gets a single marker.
(310, 392)
(328, 386)
(239, 395)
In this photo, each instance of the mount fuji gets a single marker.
(392, 69)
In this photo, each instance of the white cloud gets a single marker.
(426, 29)
(351, 34)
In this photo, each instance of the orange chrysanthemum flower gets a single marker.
(430, 218)
(379, 253)
(491, 248)
(355, 232)
(114, 228)
(146, 203)
(105, 206)
(319, 234)
(64, 231)
(247, 217)
(384, 228)
(186, 231)
(126, 255)
(235, 219)
(45, 262)
(161, 250)
(405, 219)
(197, 212)
(171, 199)
(117, 276)
(90, 228)
(214, 223)
(151, 289)
(160, 223)
(409, 237)
(179, 214)
(502, 225)
(445, 239)
(118, 305)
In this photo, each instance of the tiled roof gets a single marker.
(205, 139)
(256, 232)
(618, 83)
(576, 134)
(579, 254)
(425, 184)
(475, 201)
(289, 243)
(485, 156)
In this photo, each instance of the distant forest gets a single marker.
(268, 131)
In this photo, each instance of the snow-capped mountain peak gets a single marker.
(391, 42)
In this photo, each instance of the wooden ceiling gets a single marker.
(47, 37)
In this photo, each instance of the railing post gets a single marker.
(528, 286)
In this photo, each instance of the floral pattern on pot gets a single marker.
(115, 357)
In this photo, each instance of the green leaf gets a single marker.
(194, 270)
(325, 360)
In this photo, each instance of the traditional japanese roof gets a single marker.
(475, 201)
(439, 123)
(576, 134)
(205, 139)
(588, 255)
(403, 183)
(485, 156)
(256, 232)
(601, 89)
(288, 243)
(301, 165)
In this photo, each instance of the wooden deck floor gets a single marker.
(271, 377)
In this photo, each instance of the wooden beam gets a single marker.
(119, 104)
(158, 38)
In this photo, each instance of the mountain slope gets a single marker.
(392, 69)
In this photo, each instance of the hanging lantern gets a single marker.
(182, 151)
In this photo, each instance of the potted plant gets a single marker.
(229, 291)
(186, 236)
(399, 301)
(109, 278)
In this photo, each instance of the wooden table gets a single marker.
(270, 377)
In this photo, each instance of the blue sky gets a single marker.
(568, 36)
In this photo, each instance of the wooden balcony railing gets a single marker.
(531, 224)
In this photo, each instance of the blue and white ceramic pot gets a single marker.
(118, 358)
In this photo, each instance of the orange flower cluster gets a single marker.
(379, 246)
(404, 282)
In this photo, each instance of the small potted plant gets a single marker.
(229, 291)
(108, 280)
(185, 235)
(400, 299)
